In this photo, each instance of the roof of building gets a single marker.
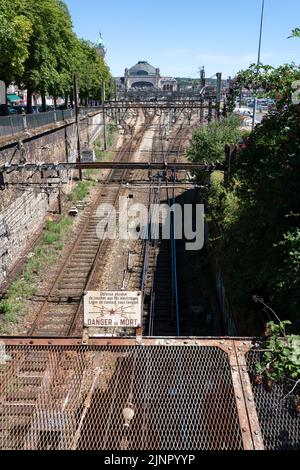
(142, 68)
(168, 79)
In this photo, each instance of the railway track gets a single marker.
(161, 294)
(59, 312)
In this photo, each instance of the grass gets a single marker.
(47, 252)
(111, 137)
(80, 192)
(100, 153)
(14, 305)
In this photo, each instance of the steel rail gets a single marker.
(75, 313)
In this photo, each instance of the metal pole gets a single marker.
(209, 109)
(111, 95)
(104, 115)
(219, 88)
(59, 199)
(111, 89)
(258, 59)
(202, 77)
(75, 93)
(201, 111)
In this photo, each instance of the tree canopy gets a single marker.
(40, 51)
(258, 212)
(207, 143)
(90, 69)
(15, 33)
(261, 243)
(272, 82)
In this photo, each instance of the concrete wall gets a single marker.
(23, 209)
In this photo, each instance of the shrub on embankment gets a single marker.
(258, 213)
(47, 252)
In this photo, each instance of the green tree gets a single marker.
(15, 33)
(269, 81)
(48, 66)
(91, 70)
(42, 52)
(259, 247)
(207, 143)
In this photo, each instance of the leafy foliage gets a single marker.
(269, 81)
(40, 51)
(50, 63)
(207, 143)
(260, 246)
(264, 240)
(259, 217)
(91, 70)
(281, 359)
(295, 33)
(15, 33)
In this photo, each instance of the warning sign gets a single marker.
(117, 309)
(88, 156)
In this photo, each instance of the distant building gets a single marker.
(18, 96)
(168, 84)
(100, 45)
(143, 75)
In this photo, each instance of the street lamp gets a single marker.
(258, 59)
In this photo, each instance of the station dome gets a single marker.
(142, 68)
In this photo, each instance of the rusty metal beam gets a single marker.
(221, 342)
(163, 166)
(160, 106)
(241, 349)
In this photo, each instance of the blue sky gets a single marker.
(179, 36)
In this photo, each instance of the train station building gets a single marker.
(144, 76)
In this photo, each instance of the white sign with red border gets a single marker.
(115, 309)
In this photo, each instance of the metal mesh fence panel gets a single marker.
(117, 397)
(276, 409)
(10, 125)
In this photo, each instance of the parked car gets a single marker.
(20, 109)
(62, 107)
(262, 108)
(243, 112)
(47, 109)
(6, 110)
(23, 109)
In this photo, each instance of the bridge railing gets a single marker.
(15, 124)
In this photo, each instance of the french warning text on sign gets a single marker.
(117, 309)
